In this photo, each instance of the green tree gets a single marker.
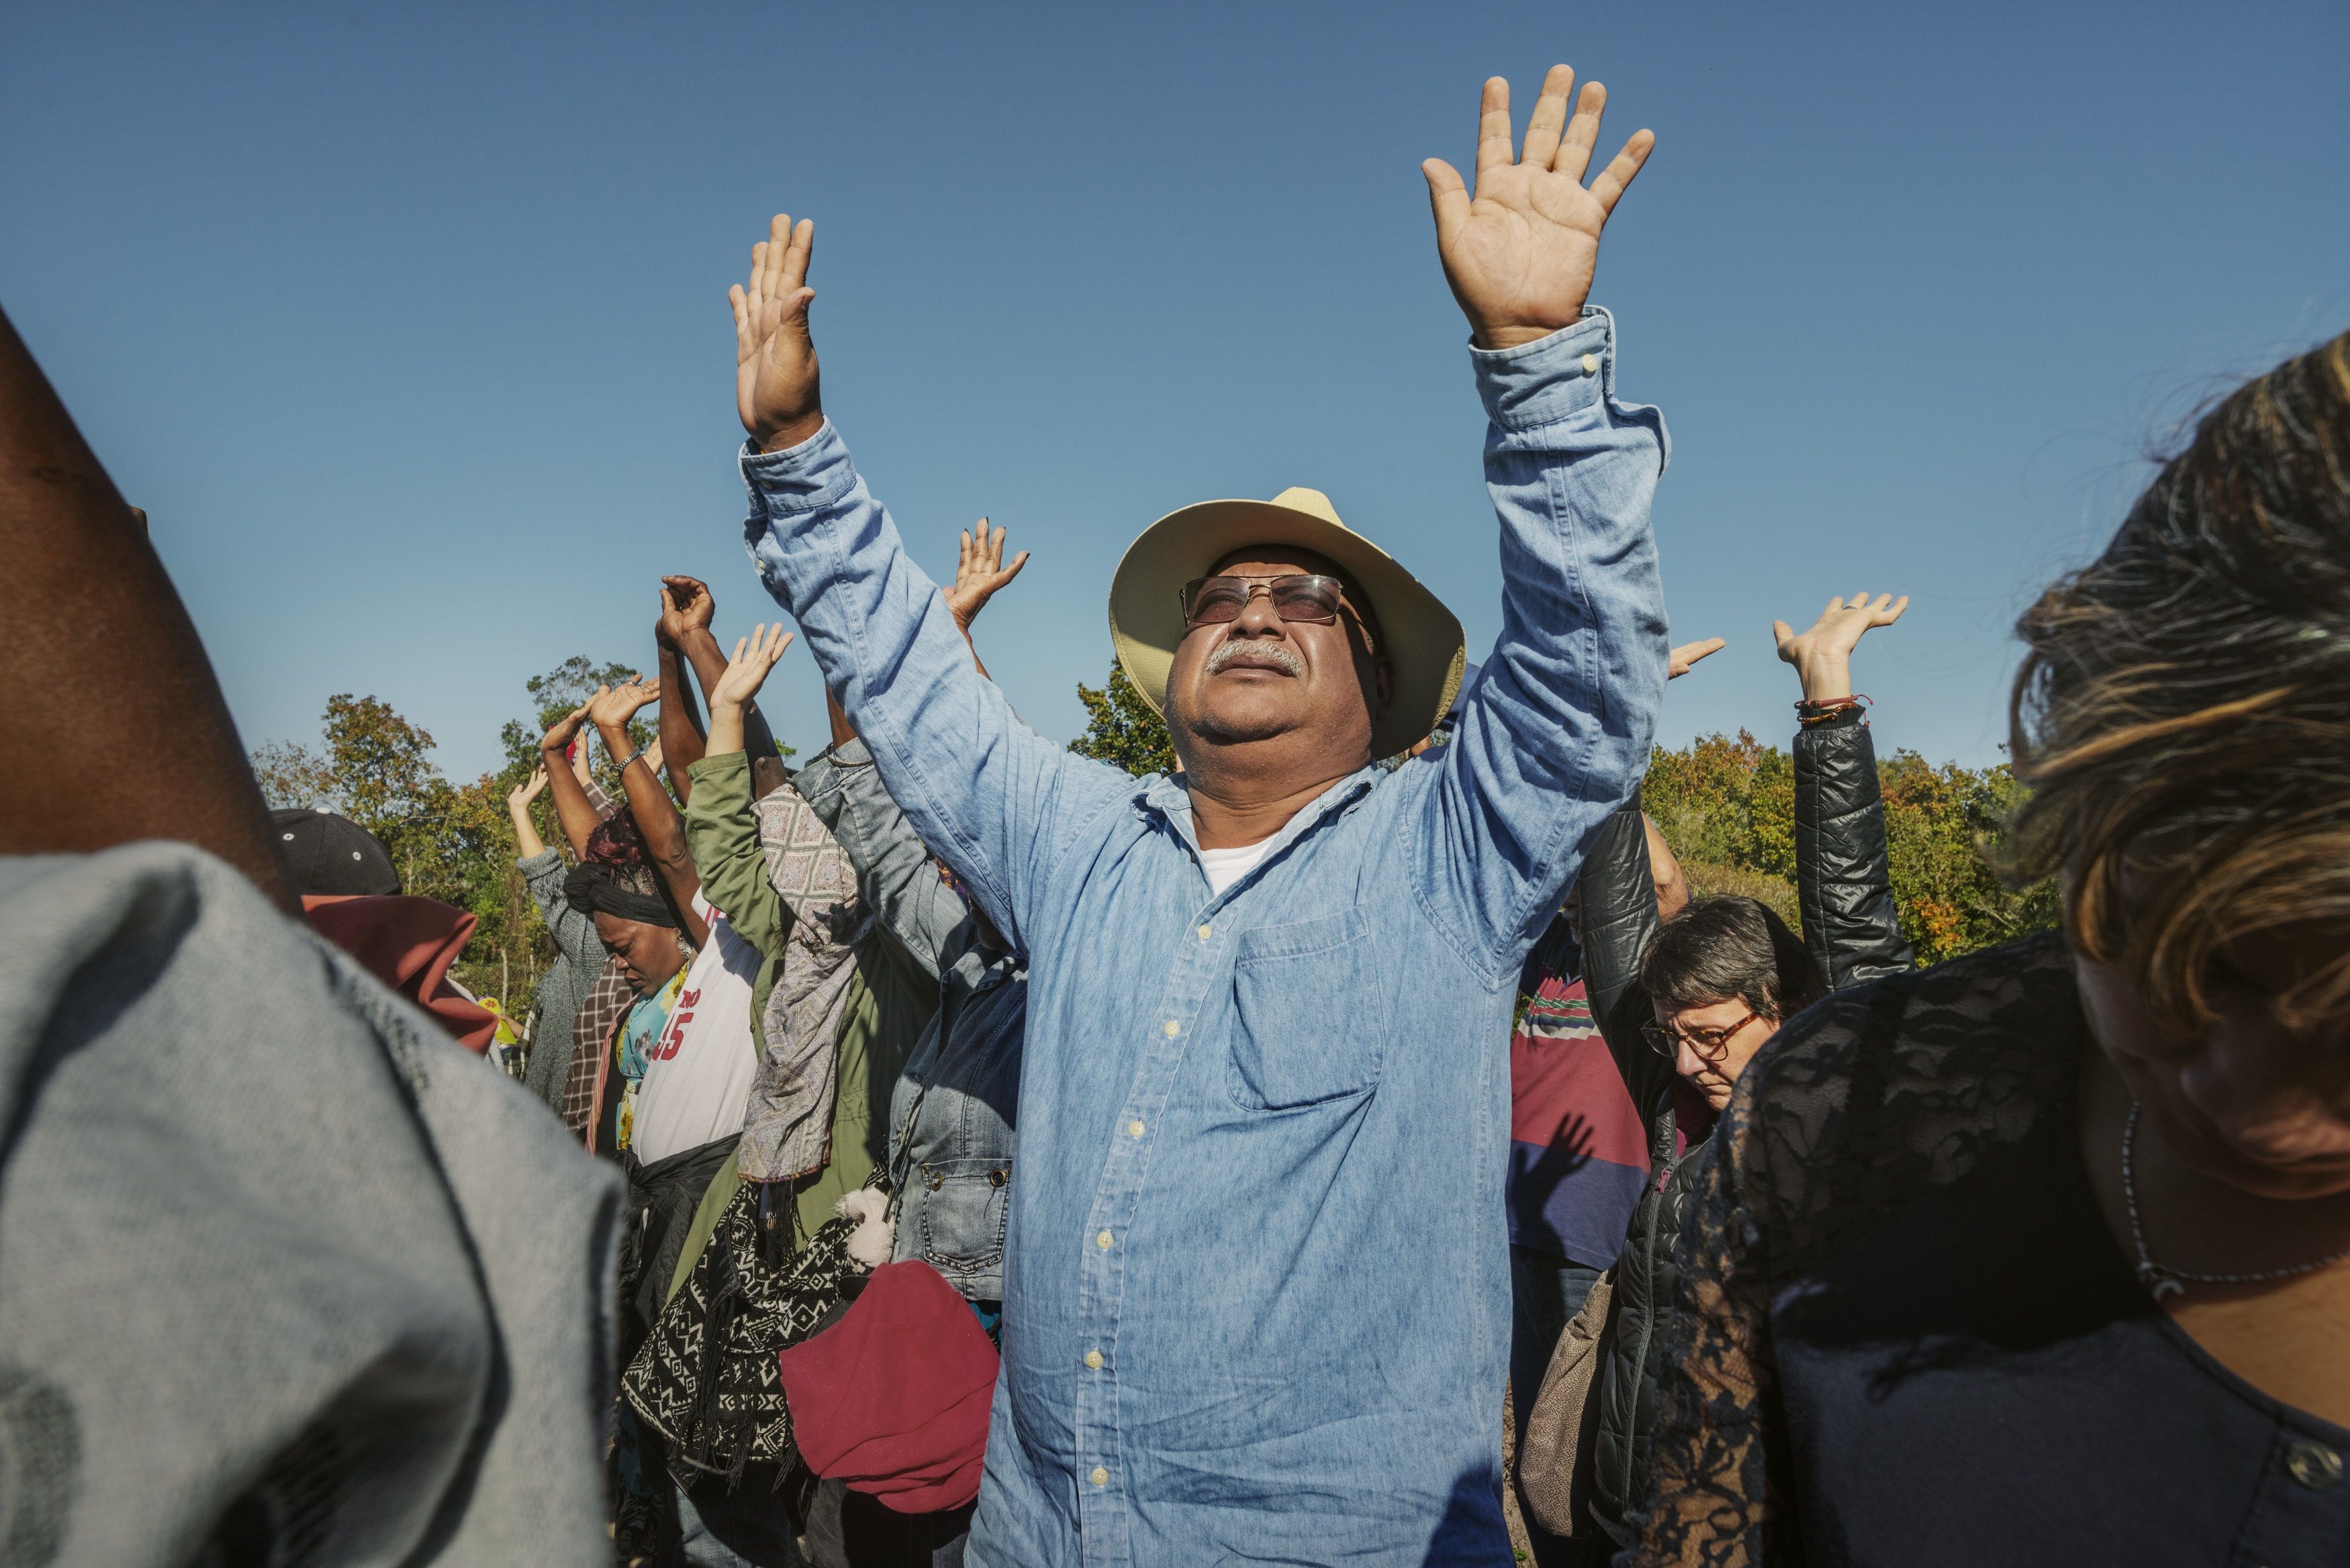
(1121, 727)
(448, 842)
(1943, 827)
(553, 694)
(293, 777)
(1727, 806)
(385, 780)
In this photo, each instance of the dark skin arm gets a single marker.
(681, 739)
(577, 817)
(657, 815)
(687, 611)
(102, 660)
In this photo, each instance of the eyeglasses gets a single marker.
(1295, 596)
(1711, 1044)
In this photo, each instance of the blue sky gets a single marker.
(408, 323)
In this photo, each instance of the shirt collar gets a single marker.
(1166, 795)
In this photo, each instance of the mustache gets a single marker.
(1273, 652)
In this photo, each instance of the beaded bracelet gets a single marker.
(1819, 710)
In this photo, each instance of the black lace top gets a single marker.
(1906, 1336)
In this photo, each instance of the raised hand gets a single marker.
(519, 797)
(1520, 253)
(565, 729)
(613, 706)
(775, 387)
(1822, 656)
(746, 671)
(1682, 659)
(979, 572)
(685, 606)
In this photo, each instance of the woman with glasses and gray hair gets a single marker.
(1684, 1003)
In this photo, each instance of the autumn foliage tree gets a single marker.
(448, 841)
(1727, 806)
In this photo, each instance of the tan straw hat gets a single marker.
(1418, 634)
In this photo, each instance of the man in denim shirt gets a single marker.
(1257, 1300)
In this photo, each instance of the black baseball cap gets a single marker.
(333, 856)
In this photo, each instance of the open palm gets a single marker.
(615, 705)
(1822, 656)
(1520, 253)
(775, 381)
(746, 671)
(980, 571)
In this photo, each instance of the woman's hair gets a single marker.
(2183, 711)
(616, 842)
(1716, 948)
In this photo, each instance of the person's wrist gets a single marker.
(1509, 336)
(1824, 680)
(791, 431)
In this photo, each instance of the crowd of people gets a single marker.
(956, 1151)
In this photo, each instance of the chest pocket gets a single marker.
(1307, 1019)
(963, 1219)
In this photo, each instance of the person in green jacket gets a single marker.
(836, 1011)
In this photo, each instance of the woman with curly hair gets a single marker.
(2043, 1255)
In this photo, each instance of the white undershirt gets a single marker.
(1226, 866)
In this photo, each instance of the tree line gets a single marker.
(1726, 805)
(449, 841)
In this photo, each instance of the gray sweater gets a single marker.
(579, 958)
(286, 1271)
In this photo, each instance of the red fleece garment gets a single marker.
(893, 1397)
(409, 944)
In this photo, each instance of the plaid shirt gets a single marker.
(608, 999)
(599, 1016)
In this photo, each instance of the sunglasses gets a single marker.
(1711, 1044)
(1295, 596)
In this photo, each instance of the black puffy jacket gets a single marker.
(1845, 889)
(1842, 881)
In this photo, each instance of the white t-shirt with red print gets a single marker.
(698, 1070)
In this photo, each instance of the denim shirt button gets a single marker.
(1591, 364)
(1100, 1476)
(1102, 1239)
(1206, 931)
(1094, 1359)
(1134, 1127)
(1173, 1028)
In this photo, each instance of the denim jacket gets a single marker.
(1256, 1282)
(951, 1112)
